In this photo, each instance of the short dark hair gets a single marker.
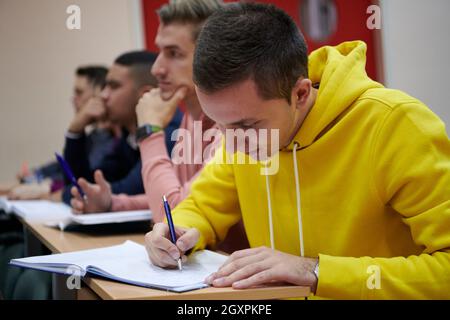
(96, 75)
(140, 64)
(194, 12)
(250, 41)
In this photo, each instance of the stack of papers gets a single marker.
(129, 263)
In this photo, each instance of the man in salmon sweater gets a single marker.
(180, 22)
(198, 137)
(359, 207)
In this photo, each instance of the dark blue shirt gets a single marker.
(121, 166)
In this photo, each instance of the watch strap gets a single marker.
(145, 131)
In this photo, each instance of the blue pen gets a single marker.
(173, 236)
(69, 174)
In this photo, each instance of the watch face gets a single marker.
(148, 130)
(145, 131)
(316, 270)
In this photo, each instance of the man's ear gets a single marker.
(143, 89)
(301, 92)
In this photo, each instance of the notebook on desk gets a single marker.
(40, 210)
(129, 263)
(101, 218)
(57, 214)
(4, 205)
(34, 208)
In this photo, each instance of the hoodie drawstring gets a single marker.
(299, 208)
(299, 212)
(269, 205)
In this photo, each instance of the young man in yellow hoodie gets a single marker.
(359, 207)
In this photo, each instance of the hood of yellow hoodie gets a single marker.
(341, 73)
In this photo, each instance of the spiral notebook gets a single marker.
(129, 263)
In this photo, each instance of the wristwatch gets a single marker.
(316, 270)
(145, 131)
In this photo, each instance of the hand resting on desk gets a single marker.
(243, 269)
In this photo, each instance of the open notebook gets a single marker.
(60, 215)
(8, 205)
(4, 204)
(129, 263)
(101, 218)
(36, 209)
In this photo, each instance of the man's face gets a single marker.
(240, 107)
(82, 92)
(173, 67)
(120, 95)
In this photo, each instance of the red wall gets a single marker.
(151, 21)
(352, 18)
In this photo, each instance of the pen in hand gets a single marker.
(173, 236)
(69, 174)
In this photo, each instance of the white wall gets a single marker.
(37, 62)
(416, 45)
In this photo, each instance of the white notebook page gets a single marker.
(129, 261)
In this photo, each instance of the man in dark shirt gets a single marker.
(41, 182)
(127, 80)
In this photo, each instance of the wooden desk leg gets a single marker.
(60, 290)
(33, 247)
(86, 293)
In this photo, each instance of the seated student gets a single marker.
(44, 180)
(359, 206)
(127, 80)
(180, 22)
(101, 136)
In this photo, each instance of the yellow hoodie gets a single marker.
(374, 189)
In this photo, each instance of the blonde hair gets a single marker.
(194, 12)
